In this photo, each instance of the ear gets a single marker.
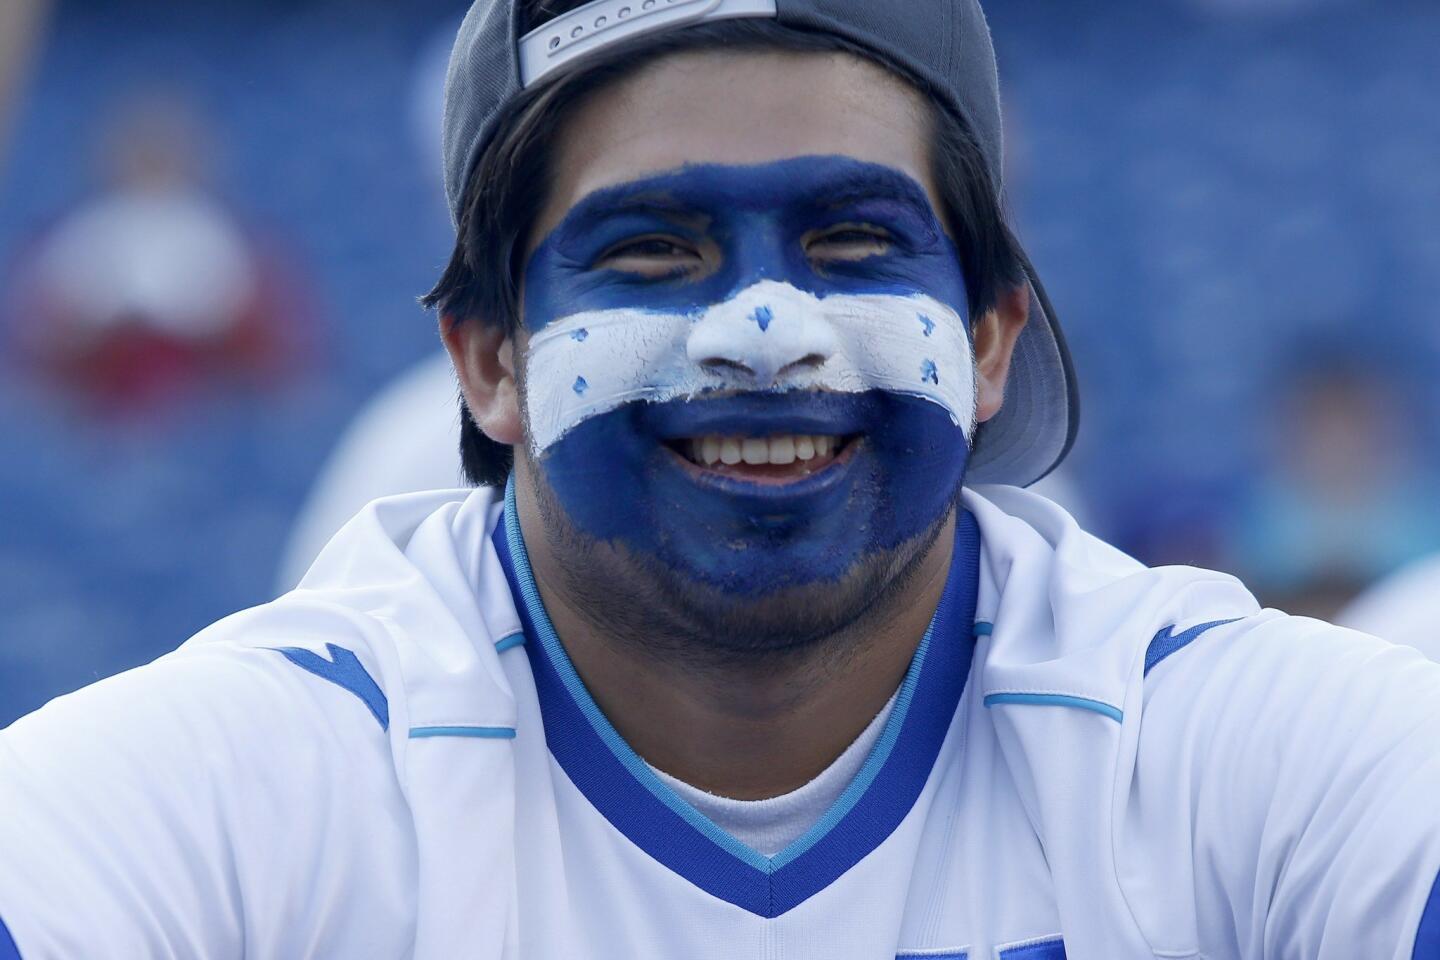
(995, 336)
(484, 358)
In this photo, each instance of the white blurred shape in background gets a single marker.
(1403, 608)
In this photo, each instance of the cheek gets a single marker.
(919, 463)
(603, 472)
(590, 364)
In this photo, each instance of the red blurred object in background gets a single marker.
(153, 290)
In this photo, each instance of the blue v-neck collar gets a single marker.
(626, 791)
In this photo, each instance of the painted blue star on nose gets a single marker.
(579, 335)
(928, 324)
(762, 317)
(929, 373)
(580, 385)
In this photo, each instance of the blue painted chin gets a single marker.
(619, 482)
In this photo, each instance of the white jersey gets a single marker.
(1087, 758)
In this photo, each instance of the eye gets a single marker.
(848, 242)
(651, 256)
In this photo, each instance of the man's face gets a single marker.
(744, 369)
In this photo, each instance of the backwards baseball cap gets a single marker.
(944, 43)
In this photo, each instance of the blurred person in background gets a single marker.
(1402, 608)
(1345, 499)
(152, 289)
(405, 439)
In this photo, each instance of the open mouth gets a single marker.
(784, 458)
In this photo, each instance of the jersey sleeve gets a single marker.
(218, 803)
(1302, 764)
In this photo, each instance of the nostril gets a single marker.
(812, 360)
(719, 365)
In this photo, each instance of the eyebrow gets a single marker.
(672, 197)
(621, 202)
(872, 183)
(626, 200)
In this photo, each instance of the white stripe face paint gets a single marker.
(770, 337)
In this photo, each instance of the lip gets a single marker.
(764, 415)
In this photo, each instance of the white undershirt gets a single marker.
(769, 826)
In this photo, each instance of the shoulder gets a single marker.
(1293, 683)
(236, 714)
(182, 807)
(190, 804)
(1273, 684)
(401, 613)
(1162, 644)
(1244, 776)
(1070, 615)
(1288, 765)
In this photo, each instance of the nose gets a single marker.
(764, 336)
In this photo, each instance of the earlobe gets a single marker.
(995, 336)
(484, 358)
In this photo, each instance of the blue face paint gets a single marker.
(617, 483)
(614, 470)
(758, 215)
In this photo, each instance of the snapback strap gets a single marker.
(604, 22)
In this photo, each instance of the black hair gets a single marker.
(508, 182)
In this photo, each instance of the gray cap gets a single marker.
(945, 43)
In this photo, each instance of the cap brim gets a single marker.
(1037, 423)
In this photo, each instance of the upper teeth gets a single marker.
(759, 450)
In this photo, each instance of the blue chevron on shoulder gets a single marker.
(8, 950)
(344, 670)
(1427, 938)
(1167, 641)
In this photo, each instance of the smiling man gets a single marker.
(762, 652)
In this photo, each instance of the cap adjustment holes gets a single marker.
(602, 21)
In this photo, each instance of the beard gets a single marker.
(638, 598)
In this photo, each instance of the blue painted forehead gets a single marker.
(819, 182)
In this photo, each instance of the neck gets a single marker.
(744, 727)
